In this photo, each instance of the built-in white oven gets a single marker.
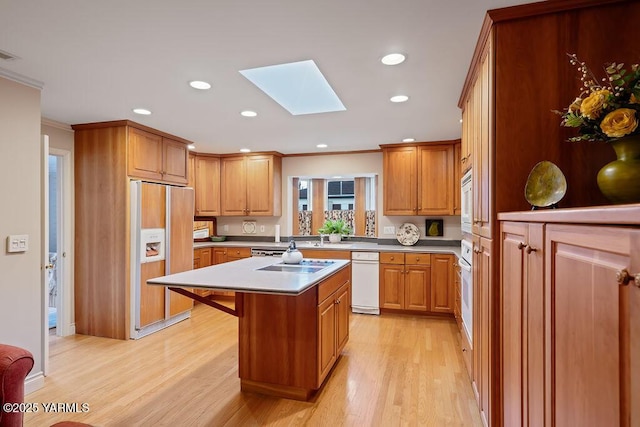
(466, 297)
(466, 203)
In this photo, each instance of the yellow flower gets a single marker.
(592, 105)
(633, 99)
(619, 123)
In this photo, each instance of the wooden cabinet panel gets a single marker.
(482, 323)
(234, 254)
(435, 180)
(326, 337)
(207, 177)
(400, 174)
(174, 161)
(392, 286)
(145, 154)
(587, 339)
(151, 297)
(392, 258)
(442, 283)
(417, 283)
(181, 232)
(233, 191)
(343, 312)
(405, 281)
(325, 254)
(251, 185)
(154, 157)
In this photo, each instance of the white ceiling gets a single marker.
(99, 59)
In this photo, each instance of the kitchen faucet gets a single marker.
(321, 240)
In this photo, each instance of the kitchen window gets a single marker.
(351, 199)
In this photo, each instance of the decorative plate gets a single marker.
(546, 185)
(408, 234)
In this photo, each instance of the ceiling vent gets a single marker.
(6, 56)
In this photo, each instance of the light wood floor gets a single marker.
(395, 370)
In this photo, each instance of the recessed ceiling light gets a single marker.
(409, 140)
(393, 59)
(322, 145)
(191, 146)
(248, 113)
(399, 98)
(142, 111)
(198, 84)
(245, 150)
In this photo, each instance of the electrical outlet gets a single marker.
(262, 228)
(389, 230)
(225, 228)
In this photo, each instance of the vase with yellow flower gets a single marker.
(609, 110)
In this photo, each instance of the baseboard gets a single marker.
(33, 382)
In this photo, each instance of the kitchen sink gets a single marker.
(305, 267)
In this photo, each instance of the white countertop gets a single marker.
(343, 246)
(243, 276)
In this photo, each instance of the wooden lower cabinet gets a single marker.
(419, 282)
(405, 281)
(570, 323)
(228, 254)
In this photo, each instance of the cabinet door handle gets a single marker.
(530, 249)
(521, 245)
(624, 278)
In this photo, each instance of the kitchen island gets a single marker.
(293, 319)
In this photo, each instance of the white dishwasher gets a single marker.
(364, 289)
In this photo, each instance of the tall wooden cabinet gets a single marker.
(107, 156)
(570, 289)
(419, 178)
(508, 125)
(251, 185)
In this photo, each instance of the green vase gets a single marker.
(619, 180)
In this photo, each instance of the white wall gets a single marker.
(329, 165)
(21, 294)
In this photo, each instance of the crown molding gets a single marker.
(58, 125)
(19, 78)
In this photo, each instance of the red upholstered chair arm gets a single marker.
(15, 364)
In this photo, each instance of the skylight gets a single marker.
(299, 87)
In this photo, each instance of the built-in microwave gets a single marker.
(466, 204)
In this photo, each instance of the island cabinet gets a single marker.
(289, 344)
(570, 302)
(419, 179)
(251, 185)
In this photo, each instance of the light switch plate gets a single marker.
(18, 243)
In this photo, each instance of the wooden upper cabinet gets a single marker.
(207, 185)
(400, 169)
(251, 185)
(435, 180)
(155, 157)
(419, 179)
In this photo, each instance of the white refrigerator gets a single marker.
(161, 244)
